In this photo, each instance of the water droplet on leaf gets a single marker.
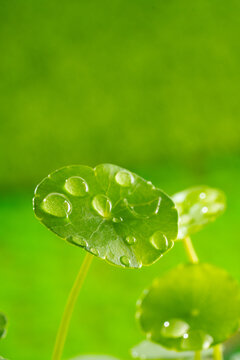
(94, 251)
(124, 178)
(130, 240)
(57, 205)
(76, 186)
(196, 340)
(174, 328)
(204, 210)
(159, 241)
(77, 240)
(117, 220)
(124, 260)
(102, 205)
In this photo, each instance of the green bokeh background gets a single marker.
(149, 85)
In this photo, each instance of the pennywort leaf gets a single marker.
(109, 211)
(148, 350)
(192, 307)
(197, 207)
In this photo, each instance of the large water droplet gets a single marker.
(159, 241)
(196, 340)
(124, 178)
(130, 240)
(102, 205)
(124, 260)
(76, 186)
(57, 205)
(174, 328)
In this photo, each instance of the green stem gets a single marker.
(217, 352)
(64, 325)
(191, 253)
(197, 355)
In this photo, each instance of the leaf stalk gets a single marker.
(66, 318)
(189, 248)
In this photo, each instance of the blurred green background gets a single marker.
(149, 85)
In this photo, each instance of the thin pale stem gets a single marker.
(197, 355)
(191, 253)
(217, 352)
(64, 325)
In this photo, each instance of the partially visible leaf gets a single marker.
(192, 307)
(3, 325)
(110, 212)
(235, 356)
(151, 351)
(197, 207)
(94, 357)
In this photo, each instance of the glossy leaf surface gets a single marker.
(151, 351)
(110, 212)
(192, 307)
(197, 207)
(3, 325)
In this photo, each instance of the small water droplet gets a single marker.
(204, 210)
(202, 196)
(196, 340)
(77, 240)
(57, 205)
(130, 240)
(124, 260)
(76, 186)
(102, 205)
(117, 220)
(159, 241)
(174, 328)
(94, 251)
(124, 178)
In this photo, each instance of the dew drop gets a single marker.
(124, 178)
(159, 241)
(204, 210)
(202, 196)
(102, 205)
(77, 240)
(117, 220)
(94, 251)
(124, 260)
(76, 186)
(130, 240)
(196, 340)
(57, 205)
(174, 328)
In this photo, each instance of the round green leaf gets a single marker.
(192, 307)
(197, 207)
(151, 351)
(3, 325)
(110, 212)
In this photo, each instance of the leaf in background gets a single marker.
(151, 351)
(197, 207)
(192, 307)
(3, 325)
(109, 211)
